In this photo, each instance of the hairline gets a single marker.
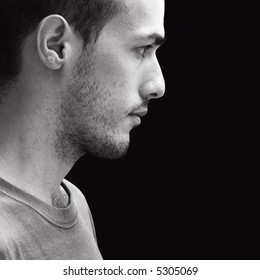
(121, 8)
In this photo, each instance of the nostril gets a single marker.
(154, 94)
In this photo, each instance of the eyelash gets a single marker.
(143, 50)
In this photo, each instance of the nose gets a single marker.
(153, 86)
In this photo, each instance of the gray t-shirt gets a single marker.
(33, 230)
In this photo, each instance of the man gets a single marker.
(76, 77)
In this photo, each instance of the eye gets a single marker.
(142, 50)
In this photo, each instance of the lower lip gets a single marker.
(136, 119)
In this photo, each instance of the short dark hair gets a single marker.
(18, 18)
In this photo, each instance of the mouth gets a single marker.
(139, 113)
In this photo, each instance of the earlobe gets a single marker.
(53, 41)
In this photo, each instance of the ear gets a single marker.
(54, 41)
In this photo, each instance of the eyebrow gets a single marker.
(157, 39)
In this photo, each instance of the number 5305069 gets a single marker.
(177, 270)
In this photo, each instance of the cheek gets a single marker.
(116, 91)
(102, 105)
(116, 70)
(120, 96)
(113, 104)
(108, 91)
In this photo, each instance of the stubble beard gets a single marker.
(83, 127)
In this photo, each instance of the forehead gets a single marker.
(139, 17)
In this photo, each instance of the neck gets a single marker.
(29, 156)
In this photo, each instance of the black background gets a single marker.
(184, 189)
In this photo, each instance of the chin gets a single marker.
(113, 152)
(113, 148)
(118, 149)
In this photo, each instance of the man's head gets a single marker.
(87, 66)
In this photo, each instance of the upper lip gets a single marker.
(139, 113)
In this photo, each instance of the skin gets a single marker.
(82, 100)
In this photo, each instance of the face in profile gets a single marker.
(111, 85)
